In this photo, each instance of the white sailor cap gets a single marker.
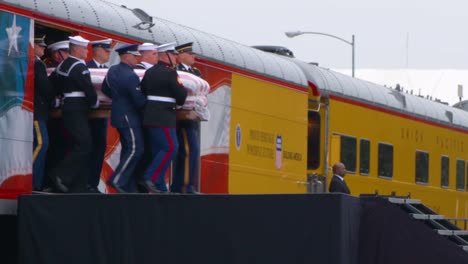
(168, 47)
(64, 44)
(79, 40)
(147, 46)
(103, 43)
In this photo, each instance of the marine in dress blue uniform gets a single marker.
(122, 85)
(101, 53)
(164, 91)
(43, 95)
(188, 156)
(71, 174)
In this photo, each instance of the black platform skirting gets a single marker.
(223, 229)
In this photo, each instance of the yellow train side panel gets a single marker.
(407, 136)
(268, 138)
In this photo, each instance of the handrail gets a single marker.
(455, 220)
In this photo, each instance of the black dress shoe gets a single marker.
(191, 190)
(149, 185)
(116, 187)
(59, 186)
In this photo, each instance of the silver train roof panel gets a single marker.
(115, 19)
(330, 82)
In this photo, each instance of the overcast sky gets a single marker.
(397, 34)
(430, 34)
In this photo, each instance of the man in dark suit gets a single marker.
(188, 156)
(164, 91)
(122, 85)
(71, 174)
(337, 183)
(98, 126)
(43, 95)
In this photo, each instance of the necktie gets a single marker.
(101, 66)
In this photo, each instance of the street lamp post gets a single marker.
(293, 34)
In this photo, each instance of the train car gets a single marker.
(277, 124)
(390, 141)
(242, 144)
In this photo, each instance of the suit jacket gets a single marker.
(337, 185)
(122, 85)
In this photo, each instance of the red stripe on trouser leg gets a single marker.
(166, 158)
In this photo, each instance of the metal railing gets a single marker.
(455, 221)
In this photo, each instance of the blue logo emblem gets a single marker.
(279, 151)
(238, 136)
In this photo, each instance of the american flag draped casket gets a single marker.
(196, 104)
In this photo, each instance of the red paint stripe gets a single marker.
(166, 158)
(213, 64)
(313, 88)
(396, 113)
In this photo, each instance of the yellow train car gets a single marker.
(389, 140)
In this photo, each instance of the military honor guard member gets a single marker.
(58, 52)
(149, 56)
(186, 58)
(101, 54)
(122, 85)
(71, 174)
(188, 156)
(43, 95)
(164, 91)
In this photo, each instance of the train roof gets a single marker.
(333, 83)
(119, 20)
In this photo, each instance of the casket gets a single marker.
(195, 107)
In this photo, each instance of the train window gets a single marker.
(460, 175)
(348, 153)
(422, 167)
(364, 157)
(466, 177)
(313, 141)
(444, 174)
(385, 160)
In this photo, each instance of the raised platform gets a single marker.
(318, 228)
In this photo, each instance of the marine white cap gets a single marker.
(168, 47)
(79, 40)
(147, 46)
(64, 44)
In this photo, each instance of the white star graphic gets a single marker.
(13, 34)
